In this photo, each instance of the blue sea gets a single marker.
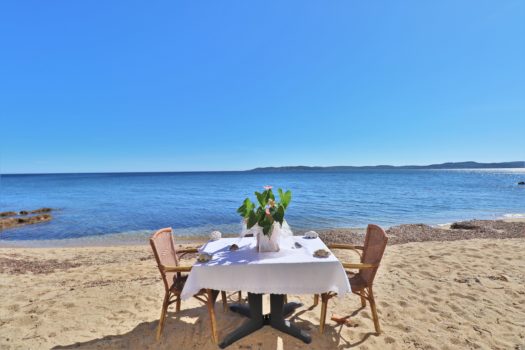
(126, 207)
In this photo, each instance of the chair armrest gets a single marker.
(359, 266)
(353, 248)
(175, 268)
(182, 252)
(188, 250)
(344, 246)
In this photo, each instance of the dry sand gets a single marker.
(431, 295)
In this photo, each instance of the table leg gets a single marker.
(288, 308)
(279, 310)
(256, 321)
(277, 321)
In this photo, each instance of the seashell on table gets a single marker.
(215, 235)
(311, 235)
(204, 257)
(321, 253)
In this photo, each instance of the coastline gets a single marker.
(137, 238)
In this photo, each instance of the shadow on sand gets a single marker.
(189, 329)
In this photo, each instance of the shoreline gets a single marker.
(439, 232)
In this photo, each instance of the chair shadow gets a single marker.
(333, 332)
(190, 329)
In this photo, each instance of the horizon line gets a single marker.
(265, 167)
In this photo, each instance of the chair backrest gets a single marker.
(373, 249)
(165, 254)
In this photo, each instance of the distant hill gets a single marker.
(450, 165)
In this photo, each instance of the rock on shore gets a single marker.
(10, 219)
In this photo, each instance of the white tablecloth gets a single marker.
(289, 271)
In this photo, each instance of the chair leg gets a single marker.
(240, 296)
(177, 304)
(211, 310)
(165, 304)
(363, 300)
(374, 310)
(324, 306)
(285, 299)
(316, 299)
(224, 301)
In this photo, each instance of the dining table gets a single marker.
(294, 269)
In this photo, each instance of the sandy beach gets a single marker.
(444, 294)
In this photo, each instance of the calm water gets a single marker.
(128, 206)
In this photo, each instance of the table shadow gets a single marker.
(189, 329)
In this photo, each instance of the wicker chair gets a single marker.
(362, 281)
(167, 258)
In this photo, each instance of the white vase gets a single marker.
(269, 243)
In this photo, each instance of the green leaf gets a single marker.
(265, 221)
(241, 210)
(278, 215)
(286, 198)
(246, 207)
(260, 220)
(267, 229)
(262, 198)
(252, 220)
(270, 194)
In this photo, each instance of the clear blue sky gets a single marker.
(227, 85)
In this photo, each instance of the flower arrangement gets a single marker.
(268, 212)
